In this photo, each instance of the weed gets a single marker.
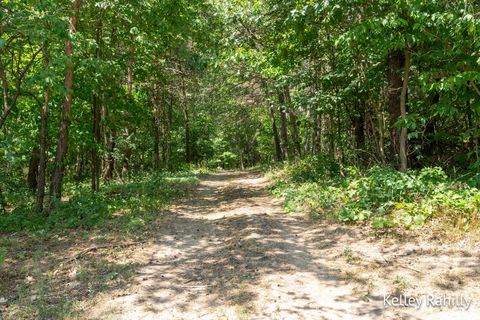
(384, 196)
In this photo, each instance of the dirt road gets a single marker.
(229, 252)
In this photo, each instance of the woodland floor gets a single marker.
(229, 252)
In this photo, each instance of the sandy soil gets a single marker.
(230, 252)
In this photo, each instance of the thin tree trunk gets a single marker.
(32, 177)
(317, 135)
(381, 136)
(403, 112)
(359, 128)
(395, 61)
(111, 159)
(8, 106)
(127, 155)
(293, 122)
(167, 143)
(129, 77)
(471, 126)
(42, 166)
(283, 124)
(126, 133)
(62, 146)
(331, 135)
(156, 124)
(276, 138)
(186, 118)
(308, 126)
(96, 137)
(284, 133)
(96, 119)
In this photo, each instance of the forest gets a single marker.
(360, 114)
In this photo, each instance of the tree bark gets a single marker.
(359, 128)
(395, 61)
(276, 137)
(403, 112)
(96, 119)
(308, 127)
(284, 133)
(111, 159)
(283, 124)
(293, 122)
(42, 166)
(32, 177)
(156, 111)
(62, 146)
(186, 118)
(317, 135)
(167, 143)
(96, 139)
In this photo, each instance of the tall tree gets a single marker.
(62, 146)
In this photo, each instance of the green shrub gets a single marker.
(382, 194)
(313, 168)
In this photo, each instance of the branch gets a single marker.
(7, 108)
(252, 35)
(474, 86)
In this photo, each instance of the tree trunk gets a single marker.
(308, 126)
(167, 144)
(156, 111)
(129, 77)
(359, 128)
(111, 158)
(381, 136)
(284, 133)
(42, 166)
(126, 133)
(276, 138)
(293, 122)
(96, 135)
(127, 154)
(283, 124)
(317, 135)
(186, 118)
(32, 177)
(403, 112)
(331, 135)
(8, 106)
(62, 146)
(395, 61)
(472, 125)
(96, 119)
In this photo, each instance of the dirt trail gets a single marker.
(229, 252)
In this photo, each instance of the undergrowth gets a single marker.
(126, 204)
(382, 195)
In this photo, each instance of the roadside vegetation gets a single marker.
(381, 195)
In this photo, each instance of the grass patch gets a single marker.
(129, 204)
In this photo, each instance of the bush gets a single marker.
(313, 168)
(382, 194)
